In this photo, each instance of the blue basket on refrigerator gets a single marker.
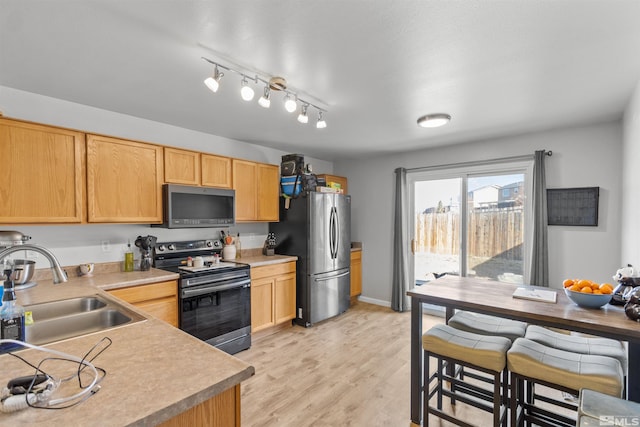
(288, 182)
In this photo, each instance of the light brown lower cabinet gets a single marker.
(273, 295)
(222, 410)
(356, 273)
(158, 299)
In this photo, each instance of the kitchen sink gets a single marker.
(69, 318)
(49, 310)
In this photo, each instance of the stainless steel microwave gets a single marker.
(193, 207)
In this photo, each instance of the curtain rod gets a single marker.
(478, 162)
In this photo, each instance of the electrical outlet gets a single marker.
(106, 246)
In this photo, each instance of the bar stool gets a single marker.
(594, 409)
(483, 353)
(484, 324)
(532, 363)
(584, 345)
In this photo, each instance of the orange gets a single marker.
(567, 283)
(584, 282)
(597, 292)
(606, 289)
(587, 290)
(595, 286)
(607, 285)
(575, 288)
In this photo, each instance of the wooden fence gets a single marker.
(493, 233)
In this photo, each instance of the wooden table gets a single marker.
(495, 298)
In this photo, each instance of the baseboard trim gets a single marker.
(374, 301)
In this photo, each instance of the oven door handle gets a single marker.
(216, 288)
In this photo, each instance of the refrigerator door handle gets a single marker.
(332, 233)
(324, 279)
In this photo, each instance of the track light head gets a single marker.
(265, 99)
(302, 117)
(290, 104)
(246, 91)
(213, 82)
(321, 124)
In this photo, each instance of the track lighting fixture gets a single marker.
(321, 124)
(265, 99)
(213, 82)
(434, 120)
(274, 83)
(302, 117)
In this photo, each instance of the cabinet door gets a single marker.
(124, 181)
(285, 298)
(181, 166)
(356, 273)
(245, 184)
(216, 171)
(158, 299)
(42, 174)
(261, 304)
(268, 192)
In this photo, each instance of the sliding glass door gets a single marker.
(471, 221)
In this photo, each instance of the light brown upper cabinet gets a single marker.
(181, 166)
(337, 179)
(257, 191)
(216, 171)
(124, 181)
(268, 192)
(42, 173)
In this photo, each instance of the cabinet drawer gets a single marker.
(355, 255)
(272, 270)
(152, 291)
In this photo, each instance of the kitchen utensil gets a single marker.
(23, 270)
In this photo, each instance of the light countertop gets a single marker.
(154, 371)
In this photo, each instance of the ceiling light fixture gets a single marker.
(434, 120)
(213, 82)
(302, 117)
(265, 99)
(275, 83)
(321, 124)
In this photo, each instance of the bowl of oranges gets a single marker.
(586, 293)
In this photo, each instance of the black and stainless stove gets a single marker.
(214, 298)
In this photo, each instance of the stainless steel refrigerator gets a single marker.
(316, 228)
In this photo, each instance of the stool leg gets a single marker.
(425, 391)
(439, 383)
(505, 395)
(497, 399)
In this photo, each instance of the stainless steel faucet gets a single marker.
(59, 275)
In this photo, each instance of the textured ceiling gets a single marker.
(498, 67)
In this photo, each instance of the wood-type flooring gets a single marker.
(351, 370)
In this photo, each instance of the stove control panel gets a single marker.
(189, 246)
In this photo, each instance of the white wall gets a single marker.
(631, 182)
(75, 244)
(582, 157)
